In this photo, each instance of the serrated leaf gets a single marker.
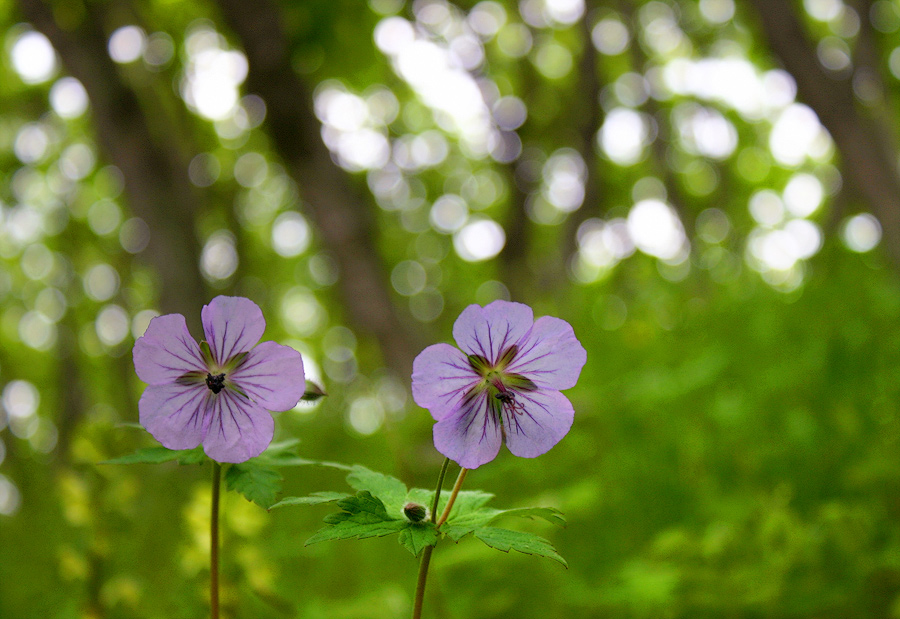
(283, 454)
(390, 490)
(418, 535)
(258, 484)
(363, 516)
(289, 459)
(527, 543)
(467, 501)
(159, 454)
(460, 526)
(550, 514)
(316, 498)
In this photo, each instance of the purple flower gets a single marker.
(216, 393)
(503, 385)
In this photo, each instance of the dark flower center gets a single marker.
(215, 383)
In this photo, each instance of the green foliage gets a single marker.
(363, 516)
(259, 484)
(418, 535)
(527, 543)
(377, 510)
(159, 454)
(316, 498)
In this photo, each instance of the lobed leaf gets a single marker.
(550, 514)
(363, 516)
(316, 498)
(159, 454)
(418, 535)
(259, 484)
(390, 490)
(527, 543)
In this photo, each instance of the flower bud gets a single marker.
(415, 512)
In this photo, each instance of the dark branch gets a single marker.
(342, 215)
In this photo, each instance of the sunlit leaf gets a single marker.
(258, 484)
(528, 543)
(390, 490)
(159, 454)
(316, 498)
(363, 516)
(417, 536)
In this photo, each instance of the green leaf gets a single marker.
(316, 498)
(259, 484)
(467, 501)
(363, 516)
(458, 527)
(528, 543)
(159, 454)
(550, 514)
(418, 535)
(390, 490)
(283, 454)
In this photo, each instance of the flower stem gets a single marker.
(437, 492)
(420, 582)
(426, 553)
(456, 488)
(214, 544)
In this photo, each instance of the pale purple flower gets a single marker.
(502, 386)
(217, 393)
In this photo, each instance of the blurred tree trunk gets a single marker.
(342, 215)
(869, 159)
(154, 168)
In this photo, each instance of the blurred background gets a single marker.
(707, 190)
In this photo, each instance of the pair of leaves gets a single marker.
(376, 510)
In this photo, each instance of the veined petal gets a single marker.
(471, 435)
(272, 375)
(175, 414)
(490, 330)
(550, 355)
(238, 428)
(538, 422)
(166, 351)
(441, 376)
(232, 325)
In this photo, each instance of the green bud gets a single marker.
(313, 392)
(415, 512)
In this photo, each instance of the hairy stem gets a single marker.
(437, 492)
(426, 553)
(420, 581)
(456, 488)
(214, 544)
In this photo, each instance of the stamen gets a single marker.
(508, 398)
(215, 383)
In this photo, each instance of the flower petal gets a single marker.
(272, 375)
(238, 428)
(550, 355)
(539, 421)
(232, 325)
(488, 331)
(166, 351)
(175, 414)
(471, 435)
(441, 377)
